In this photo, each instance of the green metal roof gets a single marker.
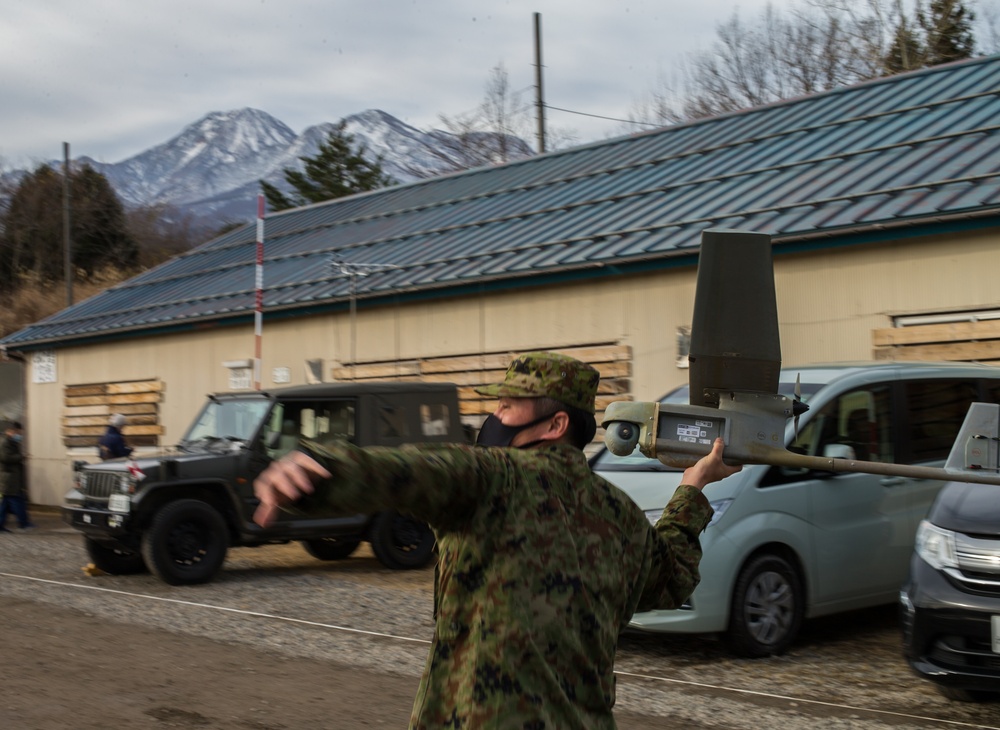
(920, 150)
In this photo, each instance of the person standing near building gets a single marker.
(112, 444)
(541, 562)
(12, 483)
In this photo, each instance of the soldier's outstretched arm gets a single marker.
(674, 546)
(283, 482)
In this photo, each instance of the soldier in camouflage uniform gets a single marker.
(541, 562)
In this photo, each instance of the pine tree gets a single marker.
(32, 235)
(947, 28)
(906, 52)
(339, 169)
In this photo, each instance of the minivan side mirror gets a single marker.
(838, 451)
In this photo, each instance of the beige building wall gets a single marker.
(829, 302)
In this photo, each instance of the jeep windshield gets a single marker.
(225, 423)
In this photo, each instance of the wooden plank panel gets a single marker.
(136, 386)
(98, 431)
(595, 354)
(126, 398)
(949, 332)
(377, 371)
(468, 363)
(608, 372)
(102, 410)
(79, 406)
(958, 351)
(90, 400)
(85, 441)
(73, 391)
(472, 406)
(69, 431)
(72, 419)
(135, 409)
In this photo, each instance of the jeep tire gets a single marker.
(331, 548)
(112, 560)
(186, 542)
(401, 542)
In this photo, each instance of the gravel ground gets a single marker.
(846, 672)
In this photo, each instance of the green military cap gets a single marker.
(548, 375)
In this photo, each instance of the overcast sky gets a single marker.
(115, 77)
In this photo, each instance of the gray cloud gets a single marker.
(114, 77)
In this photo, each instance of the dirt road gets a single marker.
(281, 641)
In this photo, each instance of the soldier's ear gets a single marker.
(558, 426)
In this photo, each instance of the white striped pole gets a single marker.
(258, 316)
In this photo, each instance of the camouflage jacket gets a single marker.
(541, 564)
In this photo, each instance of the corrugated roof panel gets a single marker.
(982, 193)
(979, 157)
(843, 160)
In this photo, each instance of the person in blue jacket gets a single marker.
(112, 444)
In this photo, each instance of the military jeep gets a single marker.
(177, 513)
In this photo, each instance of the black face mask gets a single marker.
(495, 433)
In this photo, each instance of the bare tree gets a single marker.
(490, 134)
(817, 46)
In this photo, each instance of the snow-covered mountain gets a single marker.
(212, 169)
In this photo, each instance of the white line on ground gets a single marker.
(632, 675)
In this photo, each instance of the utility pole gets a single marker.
(352, 271)
(539, 103)
(258, 310)
(67, 240)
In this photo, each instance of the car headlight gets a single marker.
(720, 506)
(126, 484)
(936, 546)
(81, 481)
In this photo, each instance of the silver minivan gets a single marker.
(789, 544)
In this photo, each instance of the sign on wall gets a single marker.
(43, 366)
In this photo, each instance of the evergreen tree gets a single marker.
(32, 227)
(906, 53)
(947, 27)
(339, 168)
(100, 230)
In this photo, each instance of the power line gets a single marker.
(598, 116)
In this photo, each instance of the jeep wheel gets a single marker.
(114, 561)
(331, 548)
(186, 542)
(767, 608)
(401, 542)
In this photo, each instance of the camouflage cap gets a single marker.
(548, 375)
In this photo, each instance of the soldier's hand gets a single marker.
(710, 468)
(284, 482)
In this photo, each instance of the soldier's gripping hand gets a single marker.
(283, 482)
(710, 468)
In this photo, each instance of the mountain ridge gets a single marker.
(210, 170)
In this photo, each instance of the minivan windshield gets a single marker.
(606, 461)
(233, 420)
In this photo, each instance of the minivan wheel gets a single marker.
(186, 542)
(331, 548)
(401, 542)
(114, 561)
(767, 607)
